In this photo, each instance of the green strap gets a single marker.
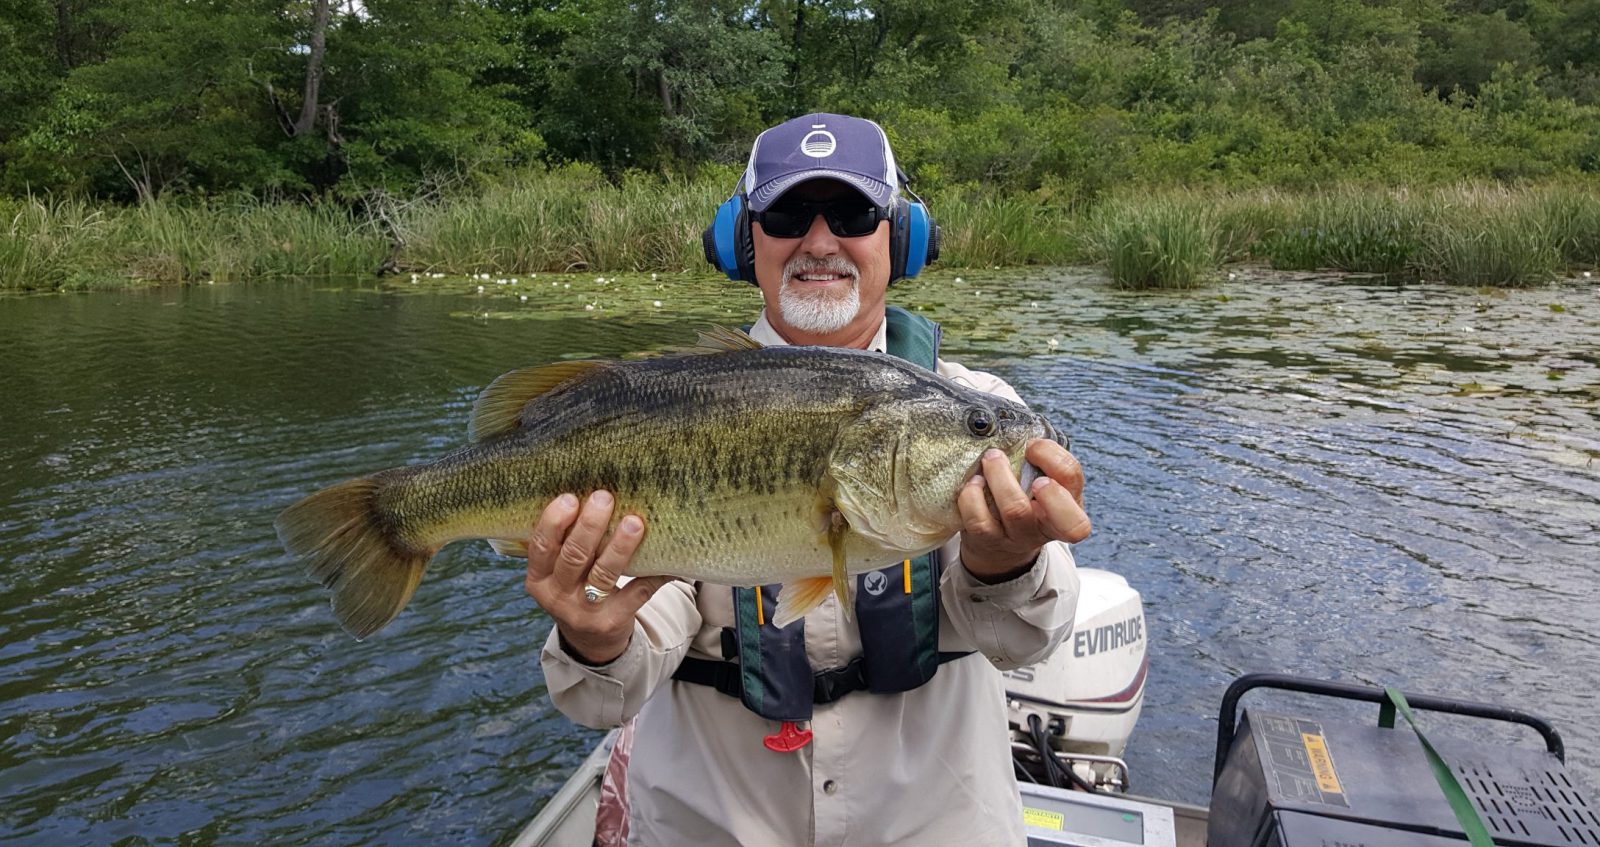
(1471, 824)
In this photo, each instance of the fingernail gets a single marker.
(630, 525)
(976, 481)
(993, 453)
(600, 498)
(1041, 482)
(567, 501)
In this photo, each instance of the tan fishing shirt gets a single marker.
(931, 766)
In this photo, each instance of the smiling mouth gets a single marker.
(823, 277)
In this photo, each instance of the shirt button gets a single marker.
(830, 788)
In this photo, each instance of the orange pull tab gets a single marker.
(790, 738)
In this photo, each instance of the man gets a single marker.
(885, 758)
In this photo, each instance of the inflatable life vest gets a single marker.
(896, 609)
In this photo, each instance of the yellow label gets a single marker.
(1043, 819)
(1321, 763)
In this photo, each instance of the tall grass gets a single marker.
(575, 219)
(52, 243)
(1166, 241)
(984, 230)
(47, 243)
(561, 220)
(1348, 229)
(1487, 235)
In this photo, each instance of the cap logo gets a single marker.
(819, 143)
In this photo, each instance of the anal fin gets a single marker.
(798, 598)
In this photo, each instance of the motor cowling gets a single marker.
(1088, 693)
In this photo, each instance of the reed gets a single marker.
(1246, 219)
(1167, 241)
(573, 218)
(54, 243)
(984, 230)
(1572, 215)
(1487, 235)
(1356, 230)
(562, 220)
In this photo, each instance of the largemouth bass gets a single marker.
(750, 465)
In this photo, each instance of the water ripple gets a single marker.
(1361, 482)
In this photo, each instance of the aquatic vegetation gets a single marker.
(48, 243)
(1349, 229)
(575, 219)
(1477, 235)
(563, 219)
(983, 230)
(1162, 242)
(1572, 214)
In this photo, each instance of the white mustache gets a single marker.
(812, 265)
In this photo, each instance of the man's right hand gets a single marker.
(565, 555)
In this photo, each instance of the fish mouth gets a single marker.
(1031, 472)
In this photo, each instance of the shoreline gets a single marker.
(570, 221)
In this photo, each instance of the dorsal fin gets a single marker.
(498, 407)
(721, 339)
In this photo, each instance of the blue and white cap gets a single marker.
(820, 146)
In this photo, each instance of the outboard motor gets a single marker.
(1085, 698)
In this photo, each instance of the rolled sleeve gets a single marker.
(603, 696)
(1020, 621)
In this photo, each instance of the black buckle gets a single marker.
(831, 684)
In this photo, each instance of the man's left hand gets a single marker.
(1001, 543)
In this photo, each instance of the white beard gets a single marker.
(819, 311)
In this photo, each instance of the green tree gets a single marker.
(1464, 53)
(663, 83)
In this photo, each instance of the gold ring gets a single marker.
(594, 595)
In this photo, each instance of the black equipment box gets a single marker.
(1298, 782)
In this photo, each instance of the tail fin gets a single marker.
(348, 547)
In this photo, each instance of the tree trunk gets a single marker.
(794, 45)
(319, 45)
(665, 91)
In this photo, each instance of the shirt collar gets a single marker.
(769, 337)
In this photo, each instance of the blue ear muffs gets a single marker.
(913, 238)
(727, 241)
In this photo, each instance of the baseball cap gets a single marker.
(821, 145)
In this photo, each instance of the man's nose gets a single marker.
(819, 240)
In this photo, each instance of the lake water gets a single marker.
(1384, 485)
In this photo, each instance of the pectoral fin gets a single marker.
(516, 548)
(837, 527)
(798, 598)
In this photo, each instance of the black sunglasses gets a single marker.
(847, 217)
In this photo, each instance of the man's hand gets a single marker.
(1001, 543)
(565, 556)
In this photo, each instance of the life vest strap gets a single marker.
(827, 686)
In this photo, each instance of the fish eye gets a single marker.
(980, 423)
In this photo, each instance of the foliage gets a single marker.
(130, 98)
(509, 135)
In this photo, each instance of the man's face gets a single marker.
(821, 288)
